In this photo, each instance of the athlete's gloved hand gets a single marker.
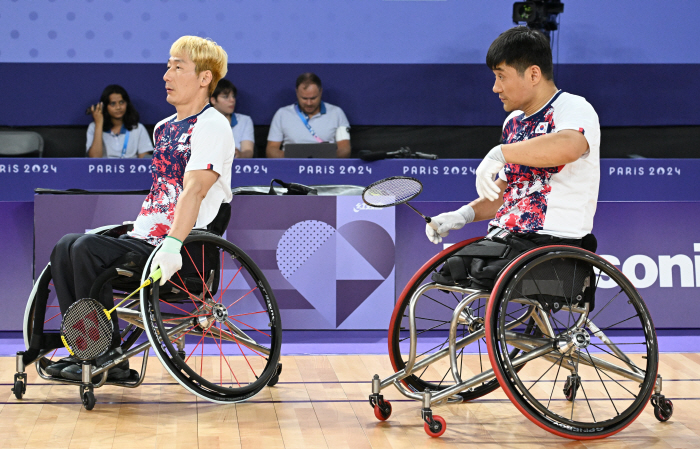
(448, 221)
(485, 172)
(168, 258)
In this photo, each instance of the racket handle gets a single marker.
(431, 223)
(155, 276)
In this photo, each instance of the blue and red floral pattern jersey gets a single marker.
(561, 200)
(199, 142)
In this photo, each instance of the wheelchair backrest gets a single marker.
(220, 222)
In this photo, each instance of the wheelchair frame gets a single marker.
(175, 330)
(564, 347)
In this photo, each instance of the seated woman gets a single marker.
(224, 100)
(122, 134)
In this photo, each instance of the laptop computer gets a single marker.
(323, 150)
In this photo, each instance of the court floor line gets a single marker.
(8, 384)
(300, 401)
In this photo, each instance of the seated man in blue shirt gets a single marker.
(309, 120)
(224, 100)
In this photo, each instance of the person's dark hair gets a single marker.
(223, 87)
(131, 116)
(521, 47)
(309, 78)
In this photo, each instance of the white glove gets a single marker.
(487, 169)
(168, 258)
(448, 221)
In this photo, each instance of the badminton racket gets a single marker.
(394, 191)
(86, 329)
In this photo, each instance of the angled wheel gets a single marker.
(593, 327)
(51, 316)
(433, 314)
(224, 308)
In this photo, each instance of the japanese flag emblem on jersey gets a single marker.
(541, 128)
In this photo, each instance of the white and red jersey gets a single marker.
(559, 201)
(200, 142)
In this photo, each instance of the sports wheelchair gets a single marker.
(563, 332)
(215, 326)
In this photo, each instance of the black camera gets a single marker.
(538, 14)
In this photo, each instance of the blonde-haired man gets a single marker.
(191, 169)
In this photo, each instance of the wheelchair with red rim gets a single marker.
(563, 332)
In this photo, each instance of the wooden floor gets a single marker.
(320, 401)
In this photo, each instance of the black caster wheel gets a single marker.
(382, 410)
(436, 428)
(274, 379)
(20, 386)
(663, 408)
(88, 398)
(571, 387)
(19, 389)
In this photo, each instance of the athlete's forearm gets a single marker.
(550, 150)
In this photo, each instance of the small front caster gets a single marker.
(382, 410)
(435, 427)
(663, 408)
(87, 397)
(20, 386)
(20, 380)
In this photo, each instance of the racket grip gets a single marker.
(431, 223)
(155, 276)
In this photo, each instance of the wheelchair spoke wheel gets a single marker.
(215, 326)
(433, 314)
(592, 364)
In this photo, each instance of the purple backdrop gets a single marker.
(15, 276)
(344, 276)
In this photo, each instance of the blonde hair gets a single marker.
(205, 54)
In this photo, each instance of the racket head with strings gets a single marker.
(87, 329)
(391, 191)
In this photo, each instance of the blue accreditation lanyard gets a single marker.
(126, 141)
(305, 121)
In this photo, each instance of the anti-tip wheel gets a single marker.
(437, 429)
(571, 387)
(382, 411)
